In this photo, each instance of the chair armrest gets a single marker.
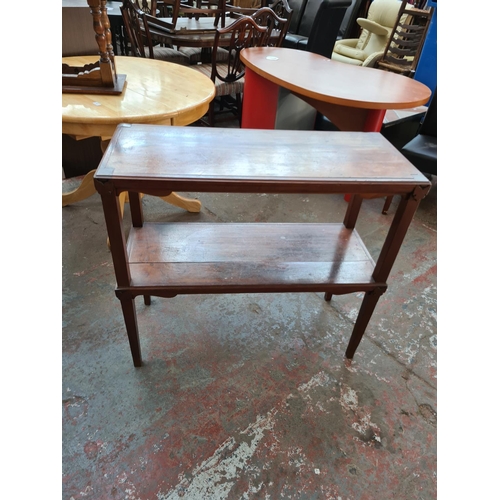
(349, 42)
(373, 27)
(348, 48)
(372, 59)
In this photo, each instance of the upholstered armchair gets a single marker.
(375, 34)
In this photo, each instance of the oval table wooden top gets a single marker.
(322, 79)
(156, 92)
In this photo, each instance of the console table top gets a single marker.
(243, 160)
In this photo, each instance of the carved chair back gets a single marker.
(162, 8)
(170, 9)
(147, 6)
(173, 9)
(277, 27)
(243, 33)
(282, 9)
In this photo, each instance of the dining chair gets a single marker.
(161, 29)
(173, 9)
(166, 8)
(207, 8)
(277, 27)
(228, 76)
(282, 12)
(163, 8)
(148, 6)
(141, 42)
(282, 9)
(220, 9)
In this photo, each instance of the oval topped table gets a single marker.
(353, 98)
(156, 92)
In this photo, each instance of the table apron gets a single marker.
(104, 130)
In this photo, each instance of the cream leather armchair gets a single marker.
(377, 29)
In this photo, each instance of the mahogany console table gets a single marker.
(166, 259)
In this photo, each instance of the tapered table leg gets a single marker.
(128, 309)
(364, 315)
(352, 213)
(387, 204)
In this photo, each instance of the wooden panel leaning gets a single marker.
(164, 260)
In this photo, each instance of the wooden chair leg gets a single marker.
(147, 300)
(239, 107)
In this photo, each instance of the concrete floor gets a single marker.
(249, 396)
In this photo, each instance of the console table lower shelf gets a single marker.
(168, 259)
(204, 258)
(182, 258)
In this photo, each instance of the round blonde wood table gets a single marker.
(156, 92)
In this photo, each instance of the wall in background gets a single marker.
(426, 72)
